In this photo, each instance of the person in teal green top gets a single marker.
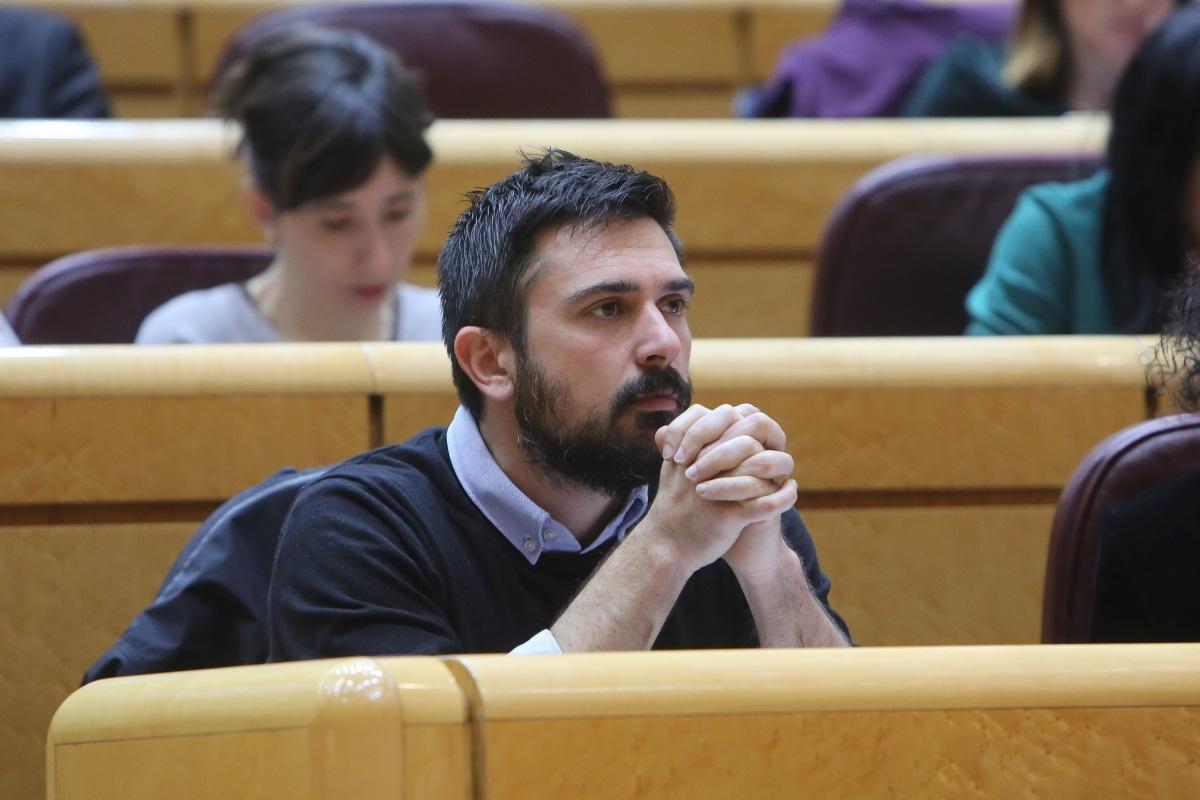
(1099, 256)
(1044, 271)
(1064, 55)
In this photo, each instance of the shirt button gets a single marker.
(530, 545)
(551, 536)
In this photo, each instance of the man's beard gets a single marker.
(595, 453)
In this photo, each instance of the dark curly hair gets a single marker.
(1177, 357)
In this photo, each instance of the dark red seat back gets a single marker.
(102, 296)
(910, 239)
(479, 60)
(1138, 458)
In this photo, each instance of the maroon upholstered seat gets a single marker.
(482, 60)
(910, 239)
(102, 296)
(1127, 463)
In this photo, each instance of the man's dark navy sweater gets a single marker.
(386, 555)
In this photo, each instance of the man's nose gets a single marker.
(658, 341)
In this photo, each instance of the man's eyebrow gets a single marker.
(628, 287)
(608, 287)
(682, 285)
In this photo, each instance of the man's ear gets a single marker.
(259, 206)
(488, 360)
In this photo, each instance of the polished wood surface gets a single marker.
(325, 729)
(67, 592)
(936, 574)
(753, 197)
(1120, 721)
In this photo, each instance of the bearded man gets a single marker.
(577, 501)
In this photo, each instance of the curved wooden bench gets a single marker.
(343, 728)
(1116, 721)
(1111, 721)
(753, 196)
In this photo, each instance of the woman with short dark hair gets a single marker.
(1099, 255)
(333, 143)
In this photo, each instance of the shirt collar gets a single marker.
(525, 524)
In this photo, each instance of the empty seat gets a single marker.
(102, 296)
(1127, 464)
(910, 239)
(478, 59)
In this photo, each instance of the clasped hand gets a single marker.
(725, 481)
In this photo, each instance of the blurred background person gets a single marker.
(1098, 256)
(45, 69)
(1064, 55)
(333, 142)
(869, 58)
(7, 337)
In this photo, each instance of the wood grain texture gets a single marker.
(137, 43)
(1039, 721)
(775, 25)
(935, 576)
(806, 680)
(628, 36)
(1062, 753)
(699, 101)
(168, 448)
(753, 197)
(67, 592)
(79, 185)
(323, 729)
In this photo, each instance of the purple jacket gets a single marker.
(871, 56)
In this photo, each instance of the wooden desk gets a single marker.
(753, 196)
(1116, 721)
(327, 730)
(929, 470)
(1064, 721)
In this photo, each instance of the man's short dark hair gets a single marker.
(482, 271)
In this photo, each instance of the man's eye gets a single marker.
(676, 306)
(609, 309)
(396, 216)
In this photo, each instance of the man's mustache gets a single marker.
(653, 381)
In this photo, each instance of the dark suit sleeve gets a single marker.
(72, 82)
(349, 579)
(45, 70)
(798, 538)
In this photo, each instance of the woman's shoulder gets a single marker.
(1079, 201)
(958, 82)
(221, 314)
(420, 314)
(967, 80)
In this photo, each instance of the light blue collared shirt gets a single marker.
(525, 524)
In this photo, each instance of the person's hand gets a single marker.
(723, 470)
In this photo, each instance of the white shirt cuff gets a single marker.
(542, 644)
